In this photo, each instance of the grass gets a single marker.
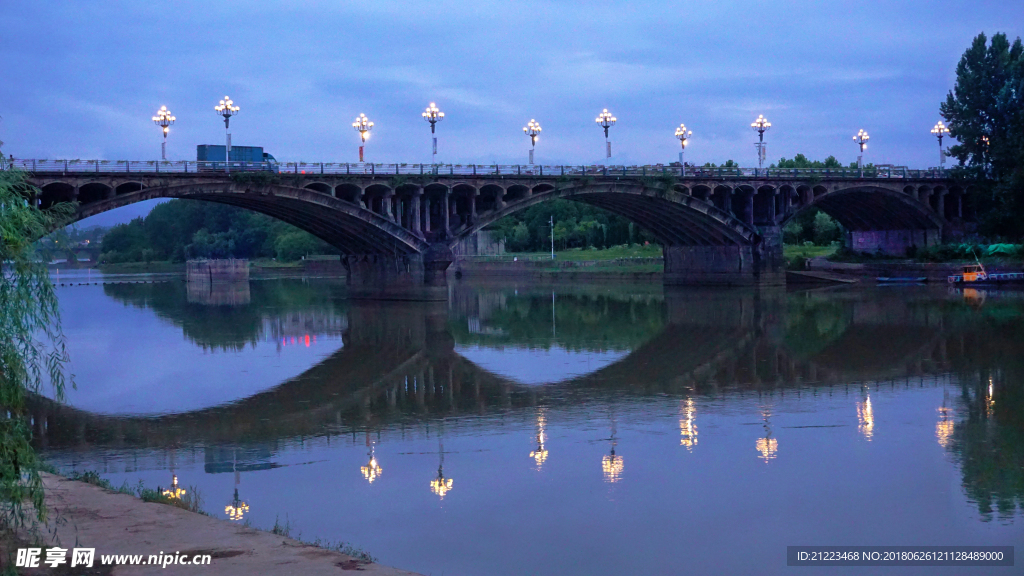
(156, 266)
(579, 254)
(191, 500)
(343, 547)
(790, 251)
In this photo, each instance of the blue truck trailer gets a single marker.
(215, 153)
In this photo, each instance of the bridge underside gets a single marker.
(885, 223)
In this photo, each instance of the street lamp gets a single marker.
(940, 130)
(164, 120)
(532, 129)
(433, 115)
(227, 109)
(761, 125)
(683, 135)
(363, 126)
(862, 140)
(606, 121)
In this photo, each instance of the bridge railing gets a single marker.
(78, 167)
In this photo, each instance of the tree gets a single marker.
(32, 346)
(985, 114)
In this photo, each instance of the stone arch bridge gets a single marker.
(396, 224)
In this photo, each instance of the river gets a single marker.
(570, 429)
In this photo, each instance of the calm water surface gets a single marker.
(567, 430)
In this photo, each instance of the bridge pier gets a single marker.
(418, 277)
(736, 265)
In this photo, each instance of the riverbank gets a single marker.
(84, 515)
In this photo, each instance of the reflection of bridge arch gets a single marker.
(405, 370)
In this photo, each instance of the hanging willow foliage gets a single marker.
(32, 349)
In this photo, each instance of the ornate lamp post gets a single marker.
(227, 109)
(761, 125)
(164, 119)
(532, 129)
(363, 126)
(862, 140)
(606, 120)
(433, 115)
(683, 135)
(940, 130)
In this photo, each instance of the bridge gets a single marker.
(396, 224)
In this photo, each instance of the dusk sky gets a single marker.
(82, 80)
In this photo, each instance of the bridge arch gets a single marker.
(877, 218)
(346, 226)
(868, 207)
(676, 219)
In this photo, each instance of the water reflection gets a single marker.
(866, 418)
(611, 464)
(440, 485)
(541, 453)
(371, 470)
(237, 509)
(768, 447)
(687, 427)
(808, 366)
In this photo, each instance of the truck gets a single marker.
(249, 157)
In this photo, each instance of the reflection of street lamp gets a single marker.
(237, 508)
(541, 453)
(761, 125)
(164, 119)
(363, 126)
(606, 121)
(940, 130)
(532, 129)
(227, 109)
(683, 135)
(944, 427)
(174, 491)
(865, 418)
(433, 115)
(372, 470)
(862, 140)
(611, 464)
(441, 485)
(767, 446)
(687, 427)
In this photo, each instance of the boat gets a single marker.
(975, 274)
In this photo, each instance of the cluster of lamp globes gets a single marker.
(227, 108)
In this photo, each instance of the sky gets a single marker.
(83, 80)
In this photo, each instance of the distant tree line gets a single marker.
(577, 225)
(184, 229)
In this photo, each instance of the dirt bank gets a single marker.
(112, 523)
